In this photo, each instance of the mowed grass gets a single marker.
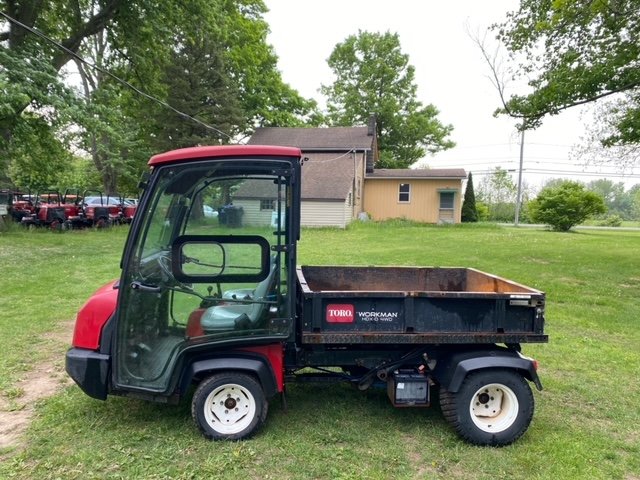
(587, 419)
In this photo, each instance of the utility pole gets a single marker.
(519, 193)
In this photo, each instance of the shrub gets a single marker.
(483, 211)
(611, 221)
(564, 205)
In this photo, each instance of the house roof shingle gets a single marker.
(325, 176)
(308, 139)
(444, 173)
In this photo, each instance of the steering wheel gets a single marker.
(164, 262)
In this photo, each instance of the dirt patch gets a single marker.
(44, 380)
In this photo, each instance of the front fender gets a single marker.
(254, 365)
(93, 316)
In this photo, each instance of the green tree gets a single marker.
(217, 48)
(574, 53)
(565, 205)
(38, 157)
(252, 64)
(469, 211)
(616, 199)
(374, 76)
(635, 208)
(498, 192)
(198, 84)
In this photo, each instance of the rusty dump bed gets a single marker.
(383, 305)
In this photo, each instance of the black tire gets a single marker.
(102, 222)
(56, 225)
(492, 407)
(229, 406)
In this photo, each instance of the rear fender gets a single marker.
(452, 376)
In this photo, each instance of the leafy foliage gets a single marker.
(34, 107)
(574, 53)
(38, 157)
(207, 58)
(469, 211)
(498, 192)
(374, 76)
(266, 100)
(619, 202)
(565, 205)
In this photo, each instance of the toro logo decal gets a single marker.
(340, 313)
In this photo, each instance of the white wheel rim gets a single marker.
(494, 408)
(229, 409)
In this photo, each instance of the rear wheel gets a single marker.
(56, 225)
(492, 407)
(103, 222)
(229, 406)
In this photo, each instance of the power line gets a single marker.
(562, 172)
(115, 77)
(512, 144)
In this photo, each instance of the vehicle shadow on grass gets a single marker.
(321, 421)
(327, 409)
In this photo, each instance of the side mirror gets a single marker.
(220, 258)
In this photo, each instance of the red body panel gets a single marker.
(186, 154)
(128, 212)
(93, 315)
(275, 354)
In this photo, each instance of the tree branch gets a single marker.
(91, 27)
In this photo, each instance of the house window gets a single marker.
(267, 204)
(446, 200)
(404, 193)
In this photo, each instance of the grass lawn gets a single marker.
(586, 423)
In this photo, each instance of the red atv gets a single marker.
(49, 212)
(72, 204)
(22, 204)
(97, 210)
(129, 207)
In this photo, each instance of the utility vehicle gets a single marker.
(225, 308)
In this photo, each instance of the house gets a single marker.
(339, 180)
(336, 159)
(423, 195)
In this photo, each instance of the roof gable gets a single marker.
(309, 139)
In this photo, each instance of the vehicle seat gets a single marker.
(240, 315)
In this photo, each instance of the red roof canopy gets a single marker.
(186, 154)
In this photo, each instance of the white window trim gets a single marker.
(404, 193)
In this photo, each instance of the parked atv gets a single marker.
(22, 204)
(97, 210)
(49, 212)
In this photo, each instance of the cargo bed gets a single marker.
(416, 305)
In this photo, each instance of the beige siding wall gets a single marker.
(381, 200)
(252, 215)
(323, 213)
(313, 213)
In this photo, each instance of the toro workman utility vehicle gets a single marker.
(225, 308)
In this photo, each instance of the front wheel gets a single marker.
(229, 406)
(492, 407)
